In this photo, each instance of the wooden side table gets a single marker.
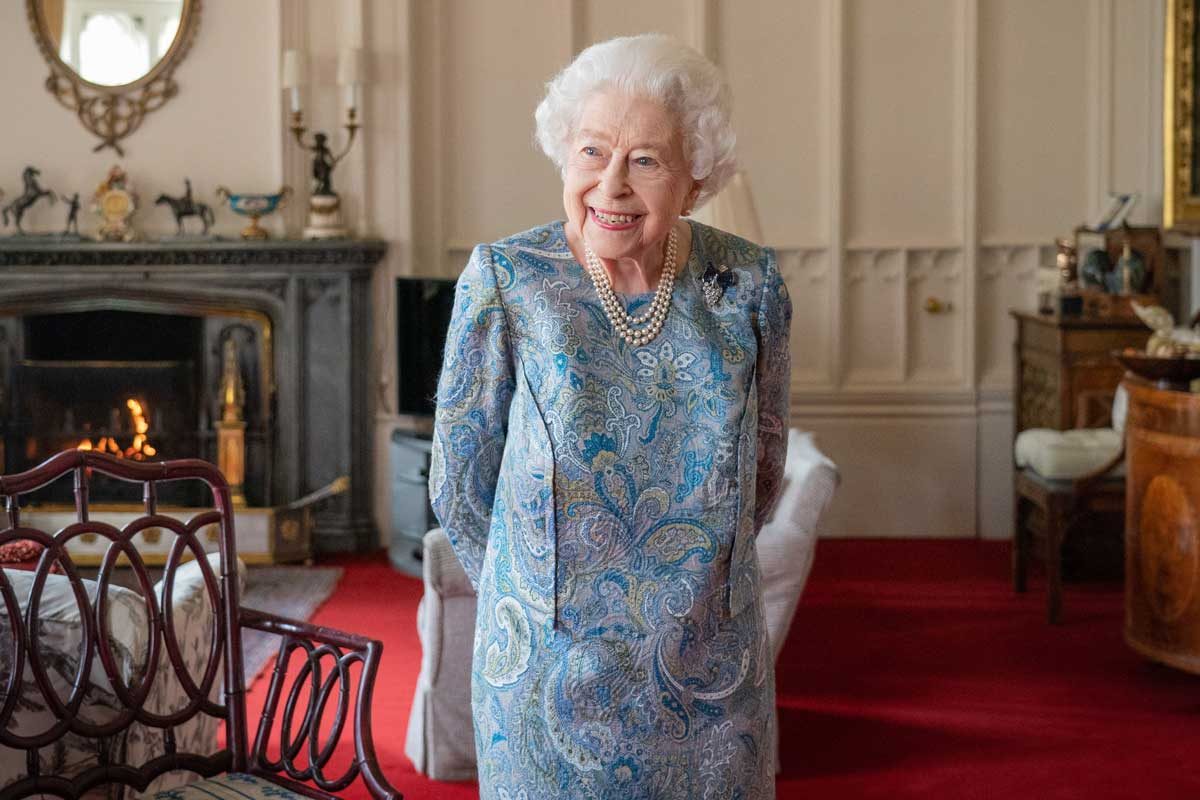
(1162, 525)
(1064, 367)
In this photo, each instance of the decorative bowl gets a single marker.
(1168, 372)
(255, 206)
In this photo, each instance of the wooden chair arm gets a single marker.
(300, 728)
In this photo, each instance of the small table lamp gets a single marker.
(732, 210)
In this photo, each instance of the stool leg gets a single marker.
(1020, 552)
(1054, 541)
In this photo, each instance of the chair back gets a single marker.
(27, 653)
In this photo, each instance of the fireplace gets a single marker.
(135, 385)
(161, 351)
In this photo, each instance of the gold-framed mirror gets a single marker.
(113, 61)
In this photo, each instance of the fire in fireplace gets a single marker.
(138, 450)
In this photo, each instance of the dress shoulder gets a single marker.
(549, 237)
(755, 264)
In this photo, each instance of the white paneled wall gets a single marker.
(900, 152)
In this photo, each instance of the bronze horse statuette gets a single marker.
(185, 206)
(33, 192)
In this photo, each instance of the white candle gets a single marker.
(293, 69)
(295, 93)
(350, 66)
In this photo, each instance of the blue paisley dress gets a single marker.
(604, 500)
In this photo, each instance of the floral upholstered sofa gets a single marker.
(61, 635)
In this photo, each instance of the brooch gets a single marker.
(716, 280)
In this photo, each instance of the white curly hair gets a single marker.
(663, 69)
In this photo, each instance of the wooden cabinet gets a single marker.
(1064, 368)
(411, 514)
(1162, 525)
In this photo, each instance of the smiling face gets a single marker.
(626, 179)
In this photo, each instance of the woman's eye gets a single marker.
(645, 161)
(591, 151)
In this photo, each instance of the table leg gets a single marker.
(1055, 528)
(1020, 551)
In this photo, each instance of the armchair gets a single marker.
(133, 739)
(441, 738)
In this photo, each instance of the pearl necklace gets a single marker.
(626, 325)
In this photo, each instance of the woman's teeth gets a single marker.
(614, 219)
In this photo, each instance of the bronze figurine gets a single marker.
(33, 192)
(185, 206)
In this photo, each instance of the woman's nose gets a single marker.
(614, 181)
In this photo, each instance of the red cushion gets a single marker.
(23, 554)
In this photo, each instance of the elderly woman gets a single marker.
(610, 436)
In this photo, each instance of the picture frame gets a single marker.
(1120, 206)
(1181, 168)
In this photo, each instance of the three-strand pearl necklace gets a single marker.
(627, 326)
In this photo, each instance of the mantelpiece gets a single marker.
(299, 310)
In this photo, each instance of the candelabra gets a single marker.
(324, 205)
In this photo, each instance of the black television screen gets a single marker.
(423, 308)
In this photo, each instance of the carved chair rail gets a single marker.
(128, 681)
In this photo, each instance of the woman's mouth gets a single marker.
(613, 221)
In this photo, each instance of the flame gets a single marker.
(138, 450)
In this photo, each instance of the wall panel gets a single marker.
(900, 474)
(935, 341)
(806, 273)
(1007, 281)
(604, 19)
(1133, 162)
(875, 317)
(1033, 119)
(901, 152)
(497, 181)
(776, 56)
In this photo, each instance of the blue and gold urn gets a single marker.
(255, 206)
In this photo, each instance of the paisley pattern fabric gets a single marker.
(604, 501)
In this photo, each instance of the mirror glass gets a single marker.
(111, 42)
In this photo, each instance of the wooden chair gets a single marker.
(1063, 505)
(302, 745)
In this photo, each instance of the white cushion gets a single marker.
(1066, 455)
(788, 540)
(1120, 409)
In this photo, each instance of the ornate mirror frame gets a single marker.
(1181, 168)
(114, 112)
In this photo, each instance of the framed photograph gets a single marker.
(1181, 110)
(1120, 204)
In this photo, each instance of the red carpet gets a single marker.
(911, 671)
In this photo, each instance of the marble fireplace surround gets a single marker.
(316, 296)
